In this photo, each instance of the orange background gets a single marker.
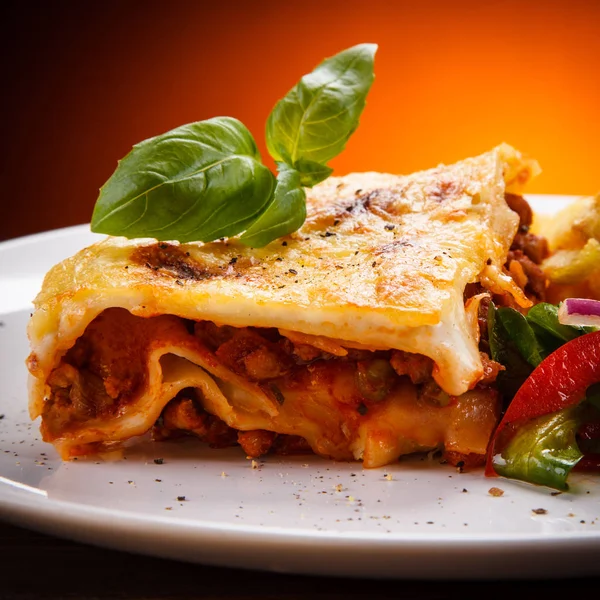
(82, 84)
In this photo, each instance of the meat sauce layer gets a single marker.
(105, 371)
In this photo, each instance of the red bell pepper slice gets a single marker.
(559, 381)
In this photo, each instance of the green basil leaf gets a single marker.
(285, 214)
(311, 173)
(198, 182)
(522, 335)
(315, 119)
(542, 451)
(505, 352)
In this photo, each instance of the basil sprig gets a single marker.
(205, 180)
(312, 124)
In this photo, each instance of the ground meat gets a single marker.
(264, 363)
(211, 335)
(536, 280)
(62, 377)
(250, 355)
(416, 366)
(522, 208)
(184, 416)
(110, 349)
(533, 246)
(307, 353)
(528, 249)
(291, 444)
(182, 413)
(219, 434)
(491, 368)
(472, 289)
(256, 442)
(301, 354)
(75, 395)
(482, 321)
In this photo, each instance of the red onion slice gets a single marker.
(580, 312)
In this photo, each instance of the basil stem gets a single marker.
(311, 173)
(201, 181)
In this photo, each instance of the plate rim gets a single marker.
(270, 549)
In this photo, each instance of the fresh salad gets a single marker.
(551, 425)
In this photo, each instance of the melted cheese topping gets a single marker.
(382, 261)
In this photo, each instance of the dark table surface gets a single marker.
(45, 567)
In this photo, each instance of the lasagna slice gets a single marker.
(358, 337)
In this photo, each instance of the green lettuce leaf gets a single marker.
(543, 450)
(504, 351)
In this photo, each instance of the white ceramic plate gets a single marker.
(302, 515)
